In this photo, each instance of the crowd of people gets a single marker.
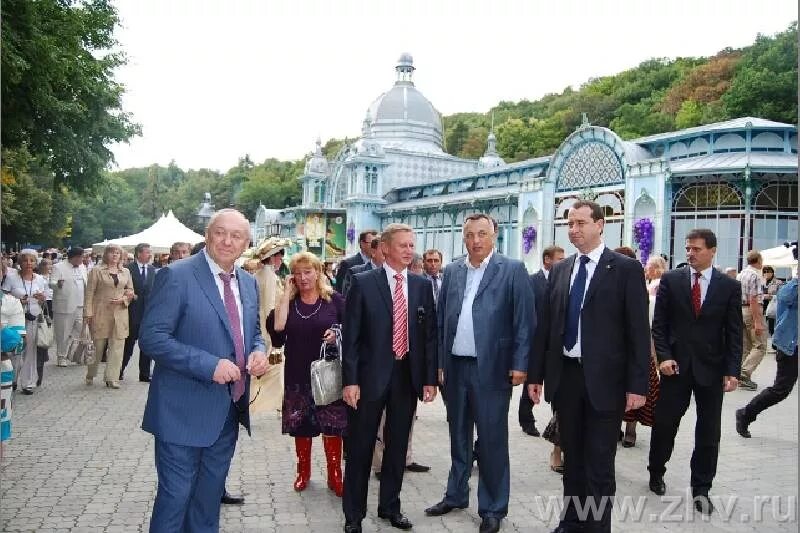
(608, 342)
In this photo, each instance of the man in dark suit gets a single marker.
(596, 363)
(375, 261)
(364, 240)
(389, 361)
(201, 329)
(432, 262)
(697, 332)
(550, 256)
(486, 322)
(143, 274)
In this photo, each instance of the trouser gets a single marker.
(525, 412)
(28, 374)
(377, 455)
(753, 345)
(42, 356)
(144, 360)
(470, 405)
(785, 378)
(589, 441)
(113, 359)
(67, 326)
(400, 402)
(674, 394)
(191, 481)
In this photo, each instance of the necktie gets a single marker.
(696, 303)
(399, 320)
(435, 278)
(236, 333)
(143, 273)
(575, 304)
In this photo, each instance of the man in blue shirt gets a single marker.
(785, 342)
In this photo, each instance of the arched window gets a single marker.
(780, 196)
(371, 180)
(591, 164)
(707, 197)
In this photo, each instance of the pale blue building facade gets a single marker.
(738, 178)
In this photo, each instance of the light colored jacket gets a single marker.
(268, 283)
(67, 298)
(108, 320)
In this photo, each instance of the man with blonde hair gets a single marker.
(389, 361)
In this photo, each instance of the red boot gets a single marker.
(333, 454)
(302, 446)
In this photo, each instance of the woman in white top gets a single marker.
(33, 301)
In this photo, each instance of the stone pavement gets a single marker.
(79, 462)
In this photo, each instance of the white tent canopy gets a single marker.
(778, 257)
(160, 236)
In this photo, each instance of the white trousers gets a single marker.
(67, 326)
(27, 368)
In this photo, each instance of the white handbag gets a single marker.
(326, 372)
(44, 330)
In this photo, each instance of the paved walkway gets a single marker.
(79, 462)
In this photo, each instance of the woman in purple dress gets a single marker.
(301, 321)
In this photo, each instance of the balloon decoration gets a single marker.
(643, 231)
(528, 239)
(351, 234)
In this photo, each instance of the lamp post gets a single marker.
(205, 212)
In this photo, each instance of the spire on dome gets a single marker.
(491, 158)
(405, 68)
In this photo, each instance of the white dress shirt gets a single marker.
(705, 280)
(464, 341)
(546, 273)
(216, 270)
(594, 258)
(141, 266)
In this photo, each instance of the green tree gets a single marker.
(60, 99)
(690, 114)
(456, 138)
(765, 84)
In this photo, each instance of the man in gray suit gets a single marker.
(486, 323)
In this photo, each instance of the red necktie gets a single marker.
(696, 303)
(236, 332)
(399, 320)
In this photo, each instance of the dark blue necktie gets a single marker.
(575, 304)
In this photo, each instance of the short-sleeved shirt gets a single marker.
(751, 282)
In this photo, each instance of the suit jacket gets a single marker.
(708, 346)
(186, 332)
(142, 288)
(108, 320)
(368, 358)
(357, 269)
(344, 269)
(615, 331)
(503, 317)
(67, 299)
(268, 285)
(539, 343)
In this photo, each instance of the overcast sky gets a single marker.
(212, 80)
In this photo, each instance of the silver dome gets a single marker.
(402, 117)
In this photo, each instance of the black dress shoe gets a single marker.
(703, 503)
(742, 423)
(352, 527)
(490, 524)
(441, 508)
(566, 529)
(531, 430)
(397, 520)
(657, 485)
(416, 467)
(144, 379)
(227, 499)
